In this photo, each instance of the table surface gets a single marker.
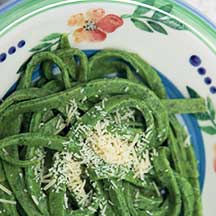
(206, 7)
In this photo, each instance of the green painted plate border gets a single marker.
(28, 8)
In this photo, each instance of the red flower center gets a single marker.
(90, 25)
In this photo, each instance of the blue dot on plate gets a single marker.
(21, 44)
(195, 60)
(12, 50)
(213, 89)
(201, 71)
(3, 57)
(208, 80)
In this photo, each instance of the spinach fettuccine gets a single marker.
(95, 136)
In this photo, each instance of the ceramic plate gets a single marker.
(175, 40)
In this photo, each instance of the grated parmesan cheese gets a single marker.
(106, 148)
(126, 89)
(38, 168)
(72, 110)
(112, 149)
(187, 142)
(8, 201)
(50, 184)
(3, 188)
(34, 198)
(66, 171)
(5, 152)
(66, 201)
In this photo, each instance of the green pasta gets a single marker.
(98, 138)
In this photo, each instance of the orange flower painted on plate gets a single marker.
(94, 25)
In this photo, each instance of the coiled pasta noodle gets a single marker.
(99, 138)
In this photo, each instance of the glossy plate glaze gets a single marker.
(176, 41)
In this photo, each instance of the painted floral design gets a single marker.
(209, 118)
(94, 25)
(149, 20)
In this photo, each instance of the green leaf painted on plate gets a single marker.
(141, 25)
(53, 36)
(211, 108)
(202, 116)
(157, 27)
(142, 10)
(167, 8)
(41, 47)
(125, 16)
(148, 2)
(175, 24)
(192, 92)
(209, 129)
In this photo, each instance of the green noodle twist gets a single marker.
(98, 138)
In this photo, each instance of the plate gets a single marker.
(177, 41)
